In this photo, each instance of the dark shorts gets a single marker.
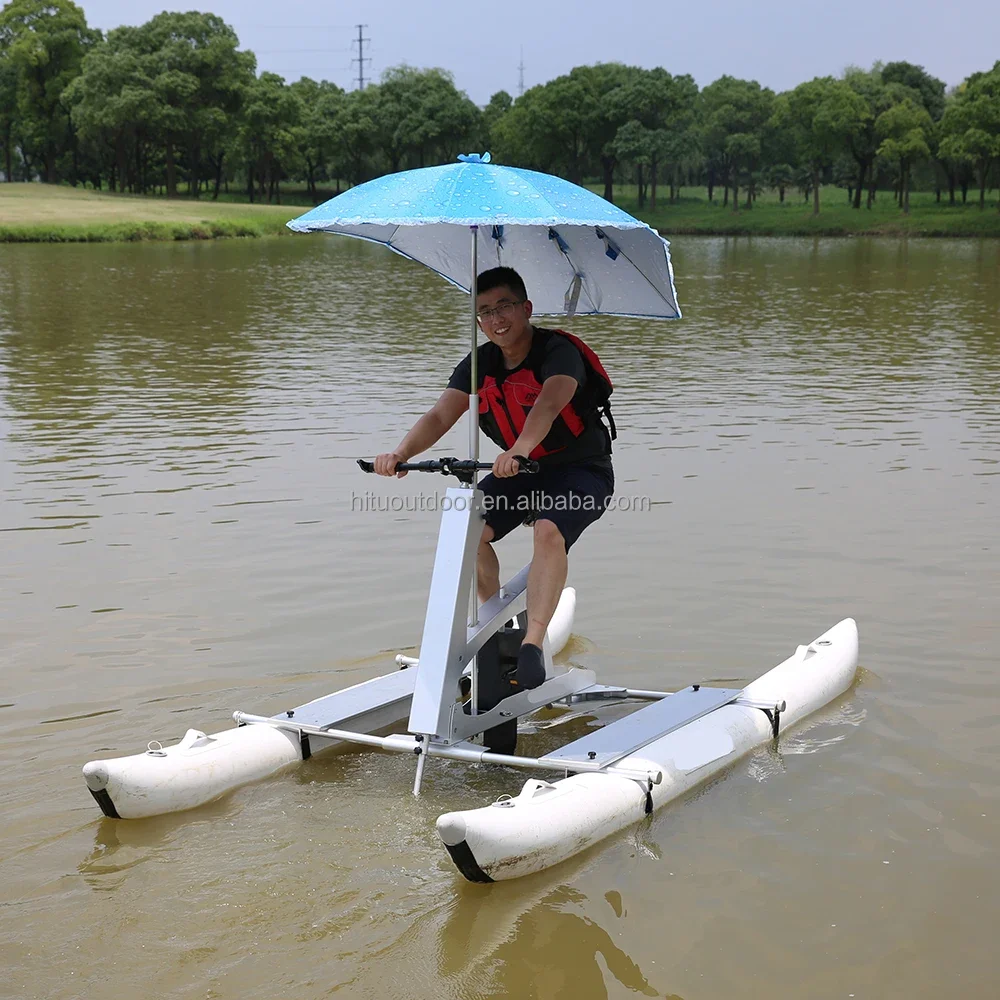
(571, 496)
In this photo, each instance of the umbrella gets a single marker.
(577, 253)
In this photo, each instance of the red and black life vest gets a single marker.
(505, 401)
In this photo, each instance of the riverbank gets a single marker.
(39, 213)
(42, 213)
(693, 214)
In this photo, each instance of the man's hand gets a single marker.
(506, 465)
(385, 465)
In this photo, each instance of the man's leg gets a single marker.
(504, 512)
(487, 567)
(555, 533)
(546, 579)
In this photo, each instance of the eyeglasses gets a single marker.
(503, 310)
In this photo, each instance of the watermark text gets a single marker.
(533, 502)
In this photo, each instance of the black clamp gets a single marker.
(774, 715)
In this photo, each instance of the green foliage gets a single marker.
(904, 128)
(735, 117)
(419, 113)
(8, 111)
(659, 126)
(269, 134)
(322, 104)
(778, 177)
(971, 125)
(356, 135)
(174, 105)
(174, 86)
(42, 43)
(500, 103)
(929, 90)
(568, 125)
(823, 115)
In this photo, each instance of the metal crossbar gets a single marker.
(417, 745)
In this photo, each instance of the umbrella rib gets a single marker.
(650, 283)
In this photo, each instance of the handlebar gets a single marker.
(462, 468)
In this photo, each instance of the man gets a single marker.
(536, 400)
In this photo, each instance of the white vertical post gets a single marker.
(419, 776)
(474, 374)
(474, 448)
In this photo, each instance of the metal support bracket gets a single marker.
(421, 747)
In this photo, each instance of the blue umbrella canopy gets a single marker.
(576, 252)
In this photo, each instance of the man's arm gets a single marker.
(426, 432)
(557, 391)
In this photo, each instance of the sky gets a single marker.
(777, 43)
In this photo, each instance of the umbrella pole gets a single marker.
(474, 454)
(474, 375)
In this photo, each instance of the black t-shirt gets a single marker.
(550, 354)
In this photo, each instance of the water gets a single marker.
(819, 437)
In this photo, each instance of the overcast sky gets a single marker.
(775, 42)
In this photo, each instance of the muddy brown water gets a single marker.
(818, 437)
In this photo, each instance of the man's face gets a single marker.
(503, 317)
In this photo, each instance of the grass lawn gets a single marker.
(43, 213)
(693, 213)
(47, 213)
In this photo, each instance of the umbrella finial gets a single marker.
(474, 157)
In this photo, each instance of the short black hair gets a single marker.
(501, 277)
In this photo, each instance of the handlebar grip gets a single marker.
(528, 465)
(366, 466)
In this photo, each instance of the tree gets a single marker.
(780, 176)
(743, 151)
(904, 129)
(568, 125)
(633, 143)
(322, 104)
(928, 90)
(735, 115)
(45, 41)
(113, 104)
(657, 111)
(268, 133)
(201, 80)
(779, 151)
(422, 116)
(971, 126)
(863, 142)
(500, 103)
(824, 114)
(8, 111)
(355, 134)
(449, 120)
(678, 141)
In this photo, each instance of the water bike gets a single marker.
(609, 778)
(578, 253)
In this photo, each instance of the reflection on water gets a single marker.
(551, 928)
(820, 437)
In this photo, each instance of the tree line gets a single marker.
(175, 102)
